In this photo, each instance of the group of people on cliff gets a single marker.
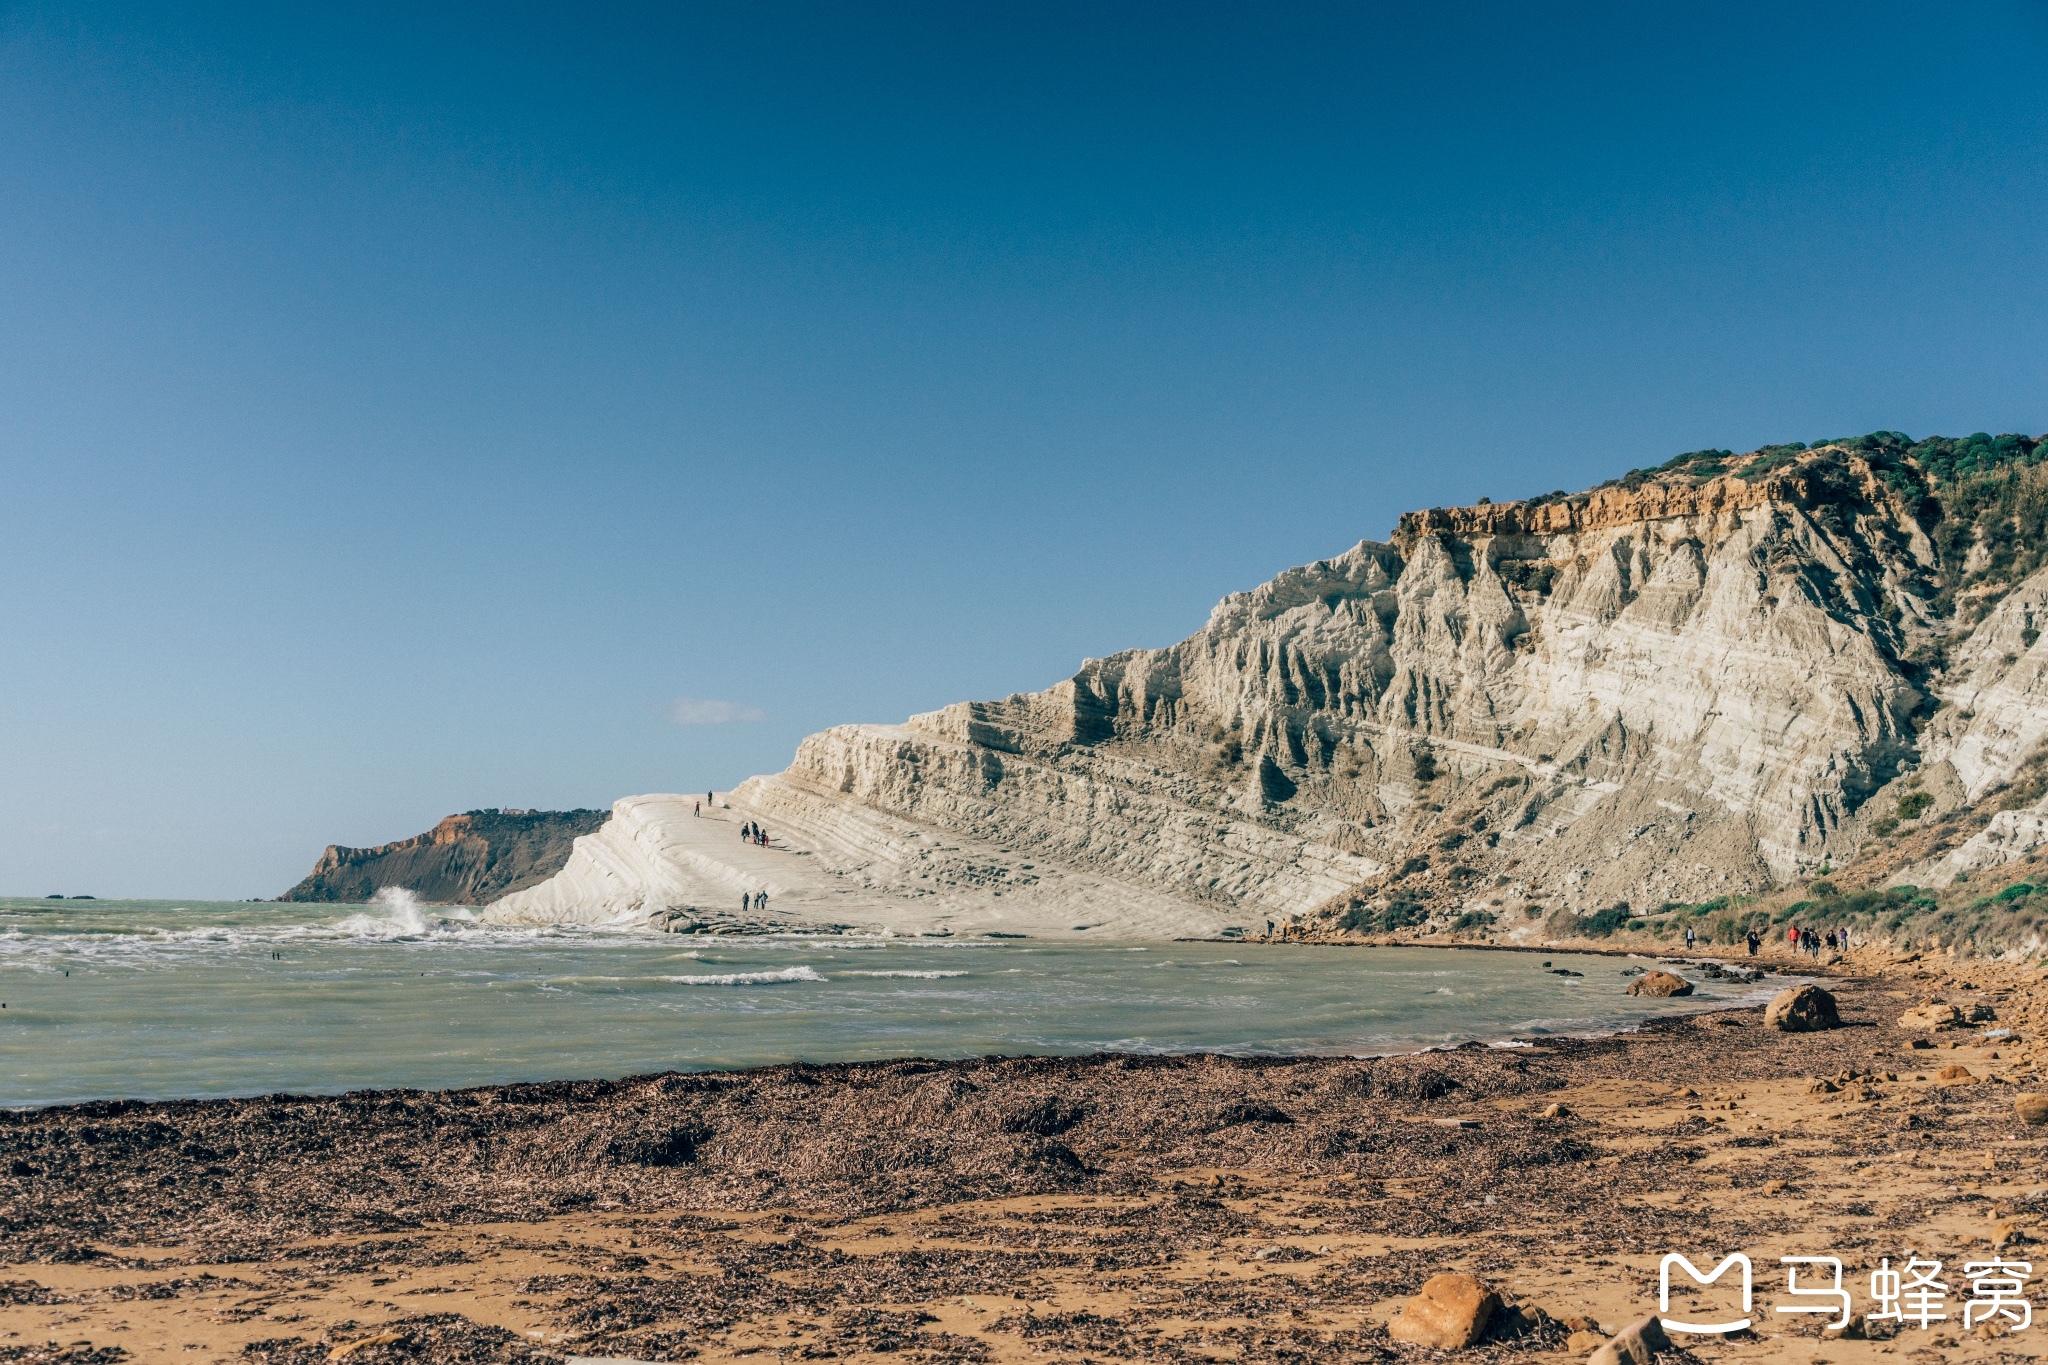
(754, 834)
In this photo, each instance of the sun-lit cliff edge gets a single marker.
(1708, 678)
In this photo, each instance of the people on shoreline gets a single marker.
(1754, 941)
(1688, 938)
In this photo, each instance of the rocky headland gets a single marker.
(469, 859)
(1725, 678)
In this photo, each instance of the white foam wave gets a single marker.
(748, 978)
(404, 915)
(922, 976)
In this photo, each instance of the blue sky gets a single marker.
(402, 408)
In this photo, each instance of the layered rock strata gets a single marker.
(1668, 690)
(469, 859)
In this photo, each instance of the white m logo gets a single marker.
(1664, 1292)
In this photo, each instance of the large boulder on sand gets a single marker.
(1633, 1344)
(1659, 984)
(1932, 1017)
(1803, 1009)
(1451, 1312)
(2031, 1108)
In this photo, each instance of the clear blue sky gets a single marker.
(402, 407)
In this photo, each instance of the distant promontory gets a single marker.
(468, 859)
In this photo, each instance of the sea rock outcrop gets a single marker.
(468, 859)
(1659, 985)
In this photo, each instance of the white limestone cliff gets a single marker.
(1675, 690)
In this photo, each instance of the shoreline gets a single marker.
(1181, 1208)
(1767, 983)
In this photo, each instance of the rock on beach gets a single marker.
(1932, 1017)
(1451, 1312)
(1803, 1009)
(1634, 1344)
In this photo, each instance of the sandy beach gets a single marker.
(1115, 1207)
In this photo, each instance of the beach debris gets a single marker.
(1932, 1016)
(1822, 1086)
(1451, 1312)
(1803, 1009)
(1954, 1074)
(344, 1351)
(1660, 985)
(2007, 1231)
(1853, 1330)
(1583, 1341)
(2031, 1108)
(1554, 1111)
(1634, 1344)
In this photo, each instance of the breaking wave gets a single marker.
(401, 914)
(922, 976)
(748, 978)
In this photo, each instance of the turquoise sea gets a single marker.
(161, 999)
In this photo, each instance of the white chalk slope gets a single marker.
(855, 867)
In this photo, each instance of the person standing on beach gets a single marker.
(697, 809)
(1688, 938)
(1792, 938)
(1753, 941)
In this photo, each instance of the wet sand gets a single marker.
(1172, 1209)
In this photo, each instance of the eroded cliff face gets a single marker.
(469, 859)
(1671, 690)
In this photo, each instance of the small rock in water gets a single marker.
(1660, 985)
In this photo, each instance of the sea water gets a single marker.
(159, 999)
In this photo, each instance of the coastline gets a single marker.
(1172, 1207)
